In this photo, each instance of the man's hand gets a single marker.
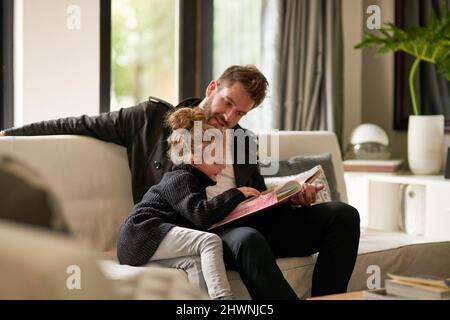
(249, 192)
(307, 195)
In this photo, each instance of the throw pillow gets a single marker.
(24, 198)
(297, 164)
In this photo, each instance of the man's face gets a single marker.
(226, 105)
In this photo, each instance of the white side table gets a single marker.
(380, 200)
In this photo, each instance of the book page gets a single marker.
(310, 175)
(287, 189)
(316, 175)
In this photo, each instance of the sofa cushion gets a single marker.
(149, 283)
(124, 276)
(401, 253)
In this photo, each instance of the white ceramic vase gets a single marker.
(425, 144)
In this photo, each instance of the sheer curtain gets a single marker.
(306, 67)
(297, 44)
(239, 39)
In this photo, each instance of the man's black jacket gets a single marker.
(140, 129)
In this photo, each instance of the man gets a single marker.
(251, 245)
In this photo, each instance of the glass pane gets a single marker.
(236, 33)
(237, 40)
(142, 51)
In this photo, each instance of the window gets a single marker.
(236, 33)
(238, 40)
(142, 51)
(171, 49)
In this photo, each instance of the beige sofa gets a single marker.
(91, 180)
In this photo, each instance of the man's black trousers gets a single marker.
(331, 229)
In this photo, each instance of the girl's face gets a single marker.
(211, 170)
(212, 165)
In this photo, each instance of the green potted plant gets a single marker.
(430, 44)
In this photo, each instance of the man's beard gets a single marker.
(207, 108)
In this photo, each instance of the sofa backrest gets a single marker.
(92, 180)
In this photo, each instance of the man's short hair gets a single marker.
(250, 78)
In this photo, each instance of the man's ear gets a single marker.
(211, 88)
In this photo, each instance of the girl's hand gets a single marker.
(249, 192)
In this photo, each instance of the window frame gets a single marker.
(195, 46)
(105, 55)
(7, 63)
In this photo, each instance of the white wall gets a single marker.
(378, 85)
(56, 68)
(368, 80)
(352, 29)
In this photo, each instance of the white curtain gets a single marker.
(302, 46)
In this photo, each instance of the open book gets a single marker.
(271, 197)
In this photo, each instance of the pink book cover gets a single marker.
(264, 201)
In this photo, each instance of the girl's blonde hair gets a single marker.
(185, 133)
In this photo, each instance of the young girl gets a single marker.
(166, 226)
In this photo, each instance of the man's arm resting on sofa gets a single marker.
(118, 126)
